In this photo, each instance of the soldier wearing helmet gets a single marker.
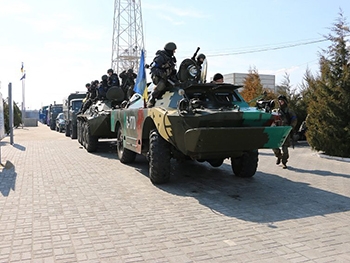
(128, 82)
(162, 70)
(288, 118)
(113, 79)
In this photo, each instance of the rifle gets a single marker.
(195, 54)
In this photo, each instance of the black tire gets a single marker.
(159, 158)
(60, 129)
(83, 134)
(67, 130)
(73, 132)
(216, 162)
(79, 131)
(124, 155)
(246, 165)
(91, 141)
(52, 126)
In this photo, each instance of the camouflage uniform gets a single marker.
(289, 118)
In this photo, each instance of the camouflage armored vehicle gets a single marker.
(94, 123)
(71, 107)
(199, 121)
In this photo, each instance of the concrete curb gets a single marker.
(322, 155)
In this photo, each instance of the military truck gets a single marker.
(52, 112)
(43, 114)
(94, 123)
(196, 120)
(71, 106)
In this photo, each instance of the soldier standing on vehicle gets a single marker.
(288, 118)
(113, 79)
(199, 60)
(163, 71)
(128, 82)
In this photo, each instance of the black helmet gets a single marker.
(282, 97)
(201, 56)
(110, 71)
(171, 46)
(104, 77)
(130, 70)
(218, 76)
(87, 85)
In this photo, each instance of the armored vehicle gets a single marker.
(52, 113)
(199, 121)
(94, 123)
(71, 106)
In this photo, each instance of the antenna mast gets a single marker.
(127, 41)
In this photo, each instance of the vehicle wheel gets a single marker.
(245, 165)
(159, 158)
(56, 128)
(124, 155)
(83, 133)
(79, 131)
(216, 162)
(60, 129)
(90, 140)
(67, 130)
(73, 132)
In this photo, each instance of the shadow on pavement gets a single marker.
(318, 172)
(19, 147)
(8, 177)
(264, 198)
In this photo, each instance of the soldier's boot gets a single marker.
(284, 164)
(278, 161)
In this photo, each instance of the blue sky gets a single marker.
(65, 44)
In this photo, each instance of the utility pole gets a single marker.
(127, 41)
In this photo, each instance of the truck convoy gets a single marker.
(71, 106)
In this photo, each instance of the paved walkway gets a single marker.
(61, 204)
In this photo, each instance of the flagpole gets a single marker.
(23, 100)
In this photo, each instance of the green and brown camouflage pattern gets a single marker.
(210, 132)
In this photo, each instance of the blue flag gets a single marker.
(24, 76)
(140, 85)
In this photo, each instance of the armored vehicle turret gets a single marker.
(207, 122)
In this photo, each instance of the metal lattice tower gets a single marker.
(127, 35)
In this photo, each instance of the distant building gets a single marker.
(268, 81)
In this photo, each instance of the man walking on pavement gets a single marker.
(288, 118)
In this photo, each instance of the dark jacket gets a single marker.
(163, 65)
(113, 80)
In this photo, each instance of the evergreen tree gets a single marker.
(328, 119)
(17, 116)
